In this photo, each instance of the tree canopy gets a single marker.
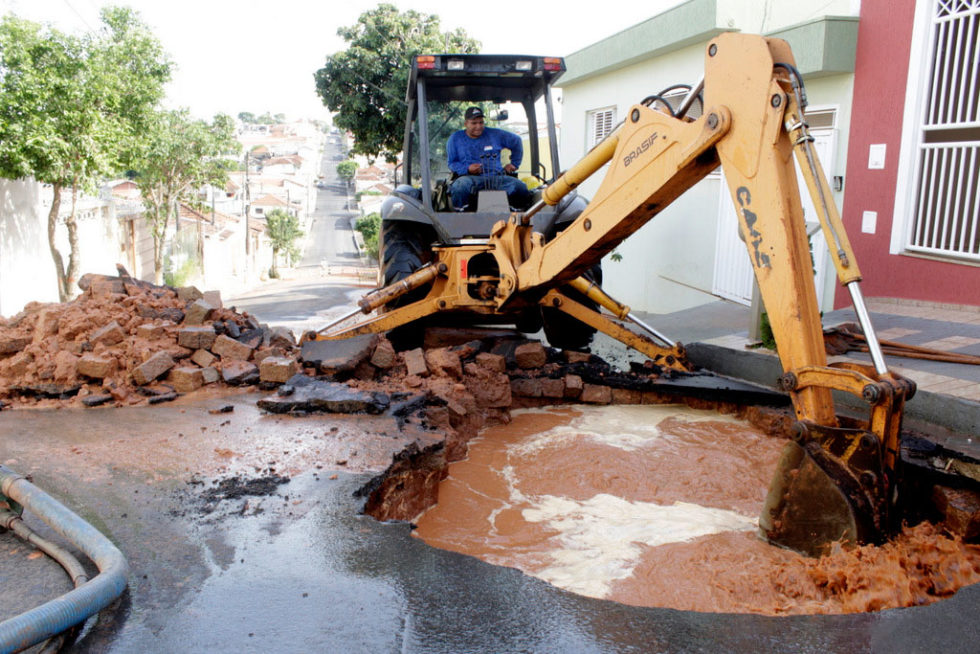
(365, 84)
(69, 105)
(176, 156)
(282, 228)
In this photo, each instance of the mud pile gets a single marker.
(123, 341)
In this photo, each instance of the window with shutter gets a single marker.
(600, 123)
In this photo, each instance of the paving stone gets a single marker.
(172, 314)
(281, 337)
(335, 357)
(229, 348)
(530, 355)
(96, 367)
(210, 375)
(384, 356)
(196, 338)
(526, 387)
(415, 362)
(277, 369)
(197, 312)
(111, 334)
(573, 386)
(203, 358)
(493, 362)
(444, 362)
(552, 387)
(237, 372)
(186, 379)
(152, 368)
(327, 397)
(104, 287)
(596, 394)
(152, 330)
(626, 396)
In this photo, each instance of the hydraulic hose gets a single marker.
(78, 605)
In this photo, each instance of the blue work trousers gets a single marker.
(465, 188)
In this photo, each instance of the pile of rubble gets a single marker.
(124, 341)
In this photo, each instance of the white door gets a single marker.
(733, 276)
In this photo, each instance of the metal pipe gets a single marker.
(864, 319)
(689, 99)
(76, 606)
(650, 329)
(14, 523)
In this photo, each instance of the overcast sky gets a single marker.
(251, 55)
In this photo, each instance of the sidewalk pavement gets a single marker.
(948, 394)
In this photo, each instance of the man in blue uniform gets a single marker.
(474, 154)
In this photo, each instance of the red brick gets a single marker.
(526, 387)
(595, 394)
(552, 387)
(12, 344)
(577, 357)
(626, 396)
(443, 362)
(492, 362)
(530, 355)
(573, 386)
(203, 358)
(196, 338)
(384, 356)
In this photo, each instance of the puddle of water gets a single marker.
(658, 506)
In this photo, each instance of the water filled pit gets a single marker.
(657, 505)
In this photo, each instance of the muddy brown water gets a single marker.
(657, 506)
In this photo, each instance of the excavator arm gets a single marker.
(834, 483)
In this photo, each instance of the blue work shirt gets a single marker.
(463, 150)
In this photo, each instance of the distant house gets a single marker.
(264, 205)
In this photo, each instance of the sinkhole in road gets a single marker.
(657, 505)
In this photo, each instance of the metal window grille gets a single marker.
(947, 201)
(601, 122)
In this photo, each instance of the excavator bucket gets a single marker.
(805, 511)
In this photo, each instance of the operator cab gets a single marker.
(512, 90)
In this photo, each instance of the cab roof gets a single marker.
(479, 77)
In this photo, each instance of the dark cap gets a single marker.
(474, 112)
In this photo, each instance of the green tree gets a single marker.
(175, 157)
(346, 170)
(282, 228)
(246, 117)
(369, 226)
(68, 107)
(365, 84)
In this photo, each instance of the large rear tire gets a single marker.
(405, 247)
(565, 332)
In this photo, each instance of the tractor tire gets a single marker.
(563, 331)
(405, 249)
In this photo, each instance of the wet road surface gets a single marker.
(300, 570)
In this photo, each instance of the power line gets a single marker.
(80, 17)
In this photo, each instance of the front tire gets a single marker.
(405, 247)
(565, 332)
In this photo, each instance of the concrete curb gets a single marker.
(953, 413)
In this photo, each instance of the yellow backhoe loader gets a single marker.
(539, 264)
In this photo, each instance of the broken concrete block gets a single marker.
(526, 387)
(152, 368)
(595, 394)
(96, 367)
(229, 348)
(189, 294)
(197, 312)
(16, 366)
(150, 330)
(210, 375)
(196, 338)
(384, 356)
(334, 357)
(444, 362)
(106, 286)
(186, 379)
(573, 386)
(488, 388)
(65, 365)
(530, 355)
(281, 337)
(11, 344)
(277, 369)
(203, 358)
(492, 362)
(415, 362)
(237, 372)
(552, 388)
(108, 335)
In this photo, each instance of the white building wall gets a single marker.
(668, 264)
(26, 268)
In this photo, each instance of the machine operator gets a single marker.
(474, 155)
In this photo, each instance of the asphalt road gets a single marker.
(331, 239)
